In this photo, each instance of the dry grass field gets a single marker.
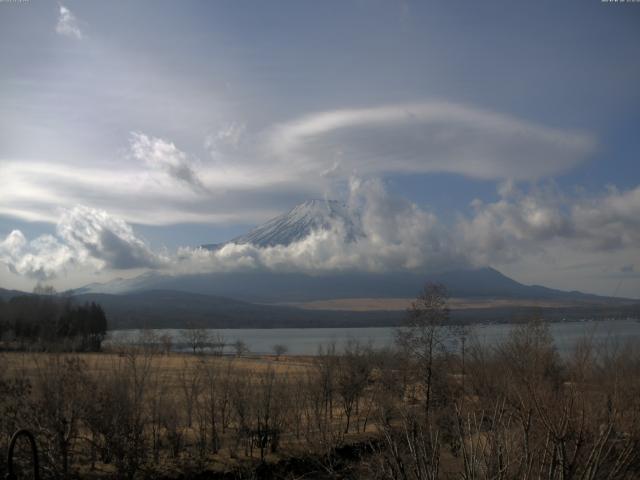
(170, 365)
(514, 411)
(401, 304)
(187, 412)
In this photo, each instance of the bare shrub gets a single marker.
(213, 403)
(354, 369)
(117, 417)
(57, 404)
(189, 383)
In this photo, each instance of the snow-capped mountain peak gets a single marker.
(299, 223)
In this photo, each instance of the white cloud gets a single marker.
(427, 137)
(97, 235)
(532, 228)
(251, 177)
(13, 244)
(166, 157)
(42, 258)
(226, 140)
(153, 183)
(85, 238)
(396, 235)
(542, 223)
(68, 24)
(521, 224)
(610, 221)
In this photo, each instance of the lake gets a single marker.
(306, 341)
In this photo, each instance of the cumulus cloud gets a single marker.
(85, 237)
(523, 223)
(609, 221)
(68, 24)
(97, 235)
(427, 137)
(42, 258)
(394, 234)
(398, 235)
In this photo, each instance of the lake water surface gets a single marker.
(306, 341)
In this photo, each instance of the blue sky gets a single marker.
(511, 125)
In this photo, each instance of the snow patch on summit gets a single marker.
(302, 220)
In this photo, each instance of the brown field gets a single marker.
(250, 397)
(361, 413)
(399, 304)
(170, 365)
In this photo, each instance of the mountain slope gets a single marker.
(9, 294)
(178, 309)
(174, 309)
(271, 287)
(298, 224)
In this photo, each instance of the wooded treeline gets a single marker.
(51, 322)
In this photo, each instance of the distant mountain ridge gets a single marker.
(9, 294)
(297, 224)
(175, 309)
(178, 309)
(270, 287)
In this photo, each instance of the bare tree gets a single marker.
(148, 341)
(352, 377)
(422, 334)
(217, 343)
(157, 406)
(279, 350)
(118, 412)
(197, 339)
(240, 347)
(167, 343)
(323, 432)
(190, 385)
(57, 407)
(269, 410)
(214, 399)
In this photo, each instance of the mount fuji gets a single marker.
(299, 223)
(263, 298)
(272, 287)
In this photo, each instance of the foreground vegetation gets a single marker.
(421, 411)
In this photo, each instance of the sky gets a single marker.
(464, 133)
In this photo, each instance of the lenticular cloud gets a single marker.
(427, 137)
